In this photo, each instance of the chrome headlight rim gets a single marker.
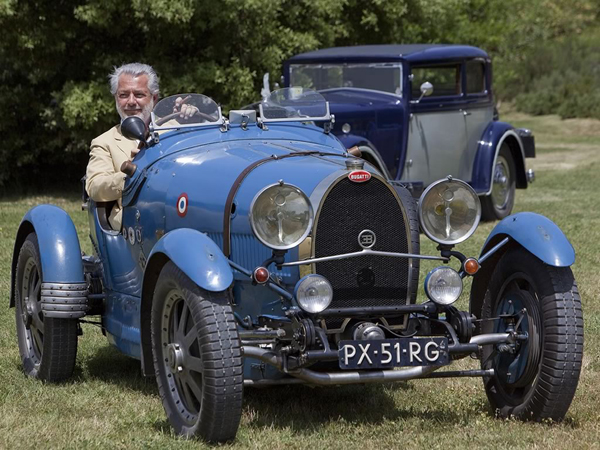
(428, 291)
(305, 279)
(475, 224)
(297, 241)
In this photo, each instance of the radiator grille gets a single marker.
(348, 209)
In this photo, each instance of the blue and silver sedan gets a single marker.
(420, 113)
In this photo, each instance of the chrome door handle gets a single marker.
(465, 113)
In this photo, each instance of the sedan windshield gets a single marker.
(384, 77)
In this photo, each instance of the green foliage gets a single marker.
(562, 79)
(55, 56)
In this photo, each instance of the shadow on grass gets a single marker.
(109, 365)
(299, 408)
(304, 410)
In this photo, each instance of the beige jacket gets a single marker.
(105, 180)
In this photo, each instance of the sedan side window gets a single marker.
(475, 77)
(446, 80)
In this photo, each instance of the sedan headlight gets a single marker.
(281, 216)
(443, 285)
(449, 211)
(313, 293)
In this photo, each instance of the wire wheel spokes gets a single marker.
(31, 310)
(182, 360)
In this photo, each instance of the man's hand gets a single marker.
(185, 111)
(134, 152)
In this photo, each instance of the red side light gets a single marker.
(261, 275)
(471, 266)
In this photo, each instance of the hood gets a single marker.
(205, 174)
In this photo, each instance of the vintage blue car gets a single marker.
(256, 251)
(419, 113)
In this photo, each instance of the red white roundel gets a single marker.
(182, 205)
(359, 176)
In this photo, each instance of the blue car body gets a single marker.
(192, 201)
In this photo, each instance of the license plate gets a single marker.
(388, 353)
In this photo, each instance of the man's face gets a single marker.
(133, 98)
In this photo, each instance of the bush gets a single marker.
(561, 78)
(55, 56)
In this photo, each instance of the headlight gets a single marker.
(443, 285)
(449, 211)
(313, 293)
(281, 216)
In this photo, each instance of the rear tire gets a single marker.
(500, 202)
(48, 346)
(539, 380)
(197, 357)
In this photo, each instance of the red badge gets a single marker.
(182, 205)
(359, 176)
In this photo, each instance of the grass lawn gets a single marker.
(109, 405)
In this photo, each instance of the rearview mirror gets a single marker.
(134, 128)
(426, 91)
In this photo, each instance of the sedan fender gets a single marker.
(60, 252)
(197, 256)
(492, 139)
(368, 151)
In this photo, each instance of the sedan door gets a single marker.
(479, 113)
(437, 131)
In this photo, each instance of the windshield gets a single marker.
(291, 104)
(186, 110)
(386, 77)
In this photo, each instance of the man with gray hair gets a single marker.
(135, 88)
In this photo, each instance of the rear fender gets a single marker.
(60, 252)
(493, 137)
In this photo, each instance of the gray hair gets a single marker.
(135, 70)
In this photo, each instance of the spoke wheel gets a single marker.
(48, 346)
(500, 202)
(536, 378)
(197, 357)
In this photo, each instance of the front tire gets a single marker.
(47, 345)
(410, 205)
(501, 200)
(538, 380)
(197, 358)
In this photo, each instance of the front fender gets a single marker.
(350, 140)
(369, 152)
(60, 252)
(489, 145)
(197, 256)
(538, 235)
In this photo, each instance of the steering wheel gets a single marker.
(175, 114)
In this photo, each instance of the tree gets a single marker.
(55, 55)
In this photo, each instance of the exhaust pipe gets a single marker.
(332, 379)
